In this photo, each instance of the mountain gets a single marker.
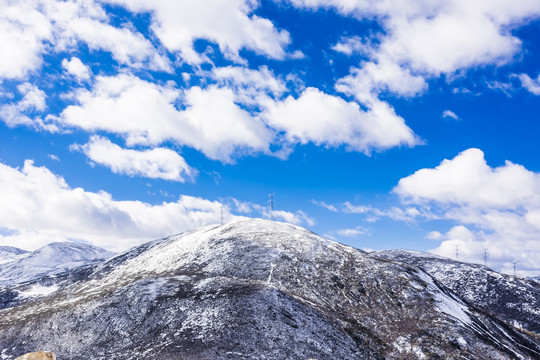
(53, 258)
(10, 253)
(513, 300)
(257, 289)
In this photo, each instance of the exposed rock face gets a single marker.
(257, 289)
(41, 355)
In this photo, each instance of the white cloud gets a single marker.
(434, 235)
(359, 230)
(449, 114)
(39, 207)
(428, 38)
(331, 121)
(230, 24)
(156, 163)
(298, 217)
(22, 30)
(53, 157)
(146, 113)
(532, 85)
(252, 87)
(351, 45)
(75, 67)
(467, 180)
(500, 207)
(329, 207)
(17, 113)
(373, 214)
(349, 208)
(29, 29)
(126, 46)
(375, 77)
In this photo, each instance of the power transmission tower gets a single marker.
(485, 256)
(514, 262)
(457, 252)
(271, 206)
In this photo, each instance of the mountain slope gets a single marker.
(55, 257)
(513, 300)
(256, 289)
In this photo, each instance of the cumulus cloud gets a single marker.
(23, 29)
(331, 121)
(30, 29)
(39, 207)
(372, 78)
(75, 67)
(230, 24)
(156, 163)
(19, 113)
(252, 87)
(532, 85)
(428, 38)
(351, 45)
(247, 116)
(146, 113)
(495, 208)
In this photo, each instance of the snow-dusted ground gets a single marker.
(257, 289)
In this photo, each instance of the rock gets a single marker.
(41, 355)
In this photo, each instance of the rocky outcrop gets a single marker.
(41, 355)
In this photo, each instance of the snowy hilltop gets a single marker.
(258, 289)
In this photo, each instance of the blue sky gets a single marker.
(380, 124)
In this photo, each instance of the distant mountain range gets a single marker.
(18, 266)
(257, 289)
(10, 253)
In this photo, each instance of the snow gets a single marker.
(38, 290)
(447, 304)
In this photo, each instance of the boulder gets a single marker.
(41, 355)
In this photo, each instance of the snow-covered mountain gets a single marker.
(10, 253)
(257, 289)
(53, 258)
(514, 300)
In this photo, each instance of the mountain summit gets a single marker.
(256, 289)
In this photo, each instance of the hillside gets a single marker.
(256, 289)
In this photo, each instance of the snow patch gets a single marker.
(38, 290)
